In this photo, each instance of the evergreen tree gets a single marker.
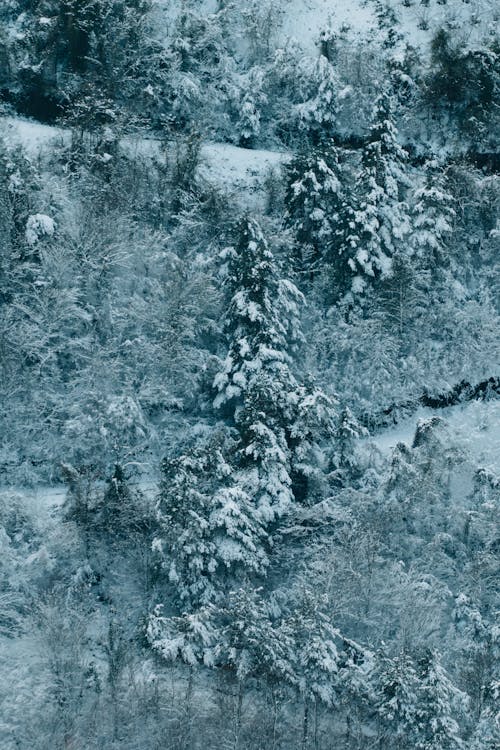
(377, 220)
(397, 686)
(486, 735)
(432, 222)
(257, 390)
(191, 637)
(318, 115)
(69, 47)
(208, 527)
(437, 704)
(348, 430)
(253, 642)
(118, 513)
(314, 203)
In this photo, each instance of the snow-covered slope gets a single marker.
(33, 137)
(304, 20)
(474, 426)
(238, 171)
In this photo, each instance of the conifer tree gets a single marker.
(347, 431)
(486, 735)
(432, 222)
(318, 115)
(257, 390)
(314, 202)
(208, 527)
(436, 706)
(376, 222)
(397, 686)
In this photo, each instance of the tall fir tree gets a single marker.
(314, 201)
(257, 389)
(209, 533)
(437, 705)
(318, 115)
(377, 221)
(432, 222)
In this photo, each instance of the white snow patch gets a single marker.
(476, 426)
(470, 20)
(239, 170)
(33, 137)
(37, 226)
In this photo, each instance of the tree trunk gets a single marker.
(305, 725)
(237, 717)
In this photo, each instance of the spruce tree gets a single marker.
(376, 222)
(432, 223)
(314, 201)
(208, 530)
(257, 390)
(318, 115)
(436, 706)
(397, 686)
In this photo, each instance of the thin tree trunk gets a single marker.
(238, 714)
(316, 719)
(275, 720)
(305, 725)
(188, 713)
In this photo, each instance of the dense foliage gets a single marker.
(212, 533)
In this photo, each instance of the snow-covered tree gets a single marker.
(377, 221)
(255, 644)
(209, 531)
(348, 430)
(397, 687)
(432, 221)
(486, 735)
(438, 704)
(314, 202)
(318, 115)
(257, 389)
(191, 637)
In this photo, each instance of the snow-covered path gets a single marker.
(239, 172)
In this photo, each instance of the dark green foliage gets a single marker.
(466, 83)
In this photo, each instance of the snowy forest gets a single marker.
(249, 375)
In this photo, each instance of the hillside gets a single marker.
(249, 375)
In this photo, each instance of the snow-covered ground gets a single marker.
(304, 20)
(33, 137)
(238, 171)
(475, 427)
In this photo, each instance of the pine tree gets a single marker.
(318, 115)
(397, 687)
(208, 527)
(486, 735)
(69, 48)
(348, 430)
(254, 643)
(191, 637)
(314, 202)
(118, 511)
(257, 390)
(432, 222)
(332, 670)
(437, 703)
(376, 222)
